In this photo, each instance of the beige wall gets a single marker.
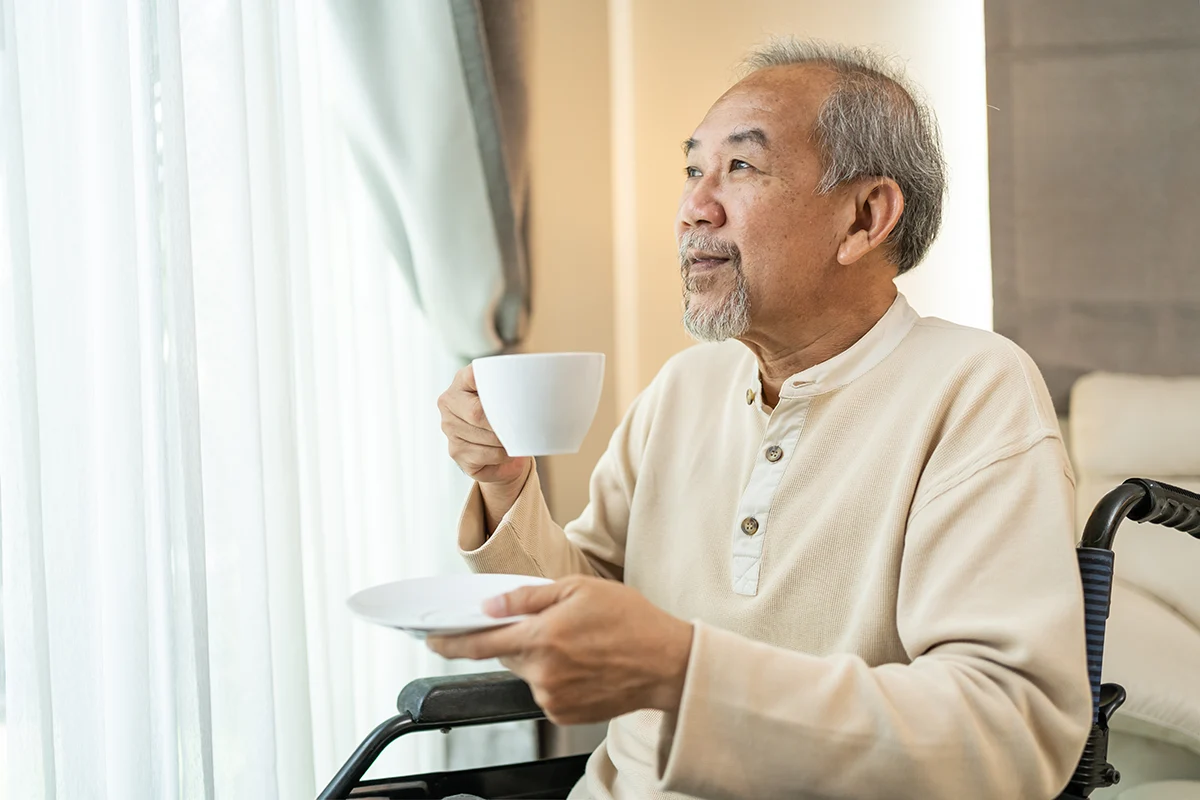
(570, 228)
(617, 85)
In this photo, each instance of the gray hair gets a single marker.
(873, 124)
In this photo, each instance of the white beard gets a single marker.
(729, 321)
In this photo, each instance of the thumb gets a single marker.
(526, 600)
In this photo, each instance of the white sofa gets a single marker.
(1124, 426)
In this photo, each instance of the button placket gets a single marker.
(751, 525)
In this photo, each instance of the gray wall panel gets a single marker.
(1094, 133)
(1042, 23)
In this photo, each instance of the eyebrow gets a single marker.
(752, 135)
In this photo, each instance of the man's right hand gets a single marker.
(474, 447)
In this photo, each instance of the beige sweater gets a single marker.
(880, 571)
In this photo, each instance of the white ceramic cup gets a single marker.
(540, 404)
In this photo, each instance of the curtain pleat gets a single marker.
(219, 404)
(187, 649)
(21, 520)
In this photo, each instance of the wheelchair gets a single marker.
(460, 701)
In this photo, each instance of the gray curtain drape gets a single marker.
(431, 96)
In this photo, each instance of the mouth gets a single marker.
(702, 262)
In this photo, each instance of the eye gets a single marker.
(737, 164)
(692, 172)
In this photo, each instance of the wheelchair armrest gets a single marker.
(453, 700)
(431, 703)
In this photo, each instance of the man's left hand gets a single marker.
(594, 649)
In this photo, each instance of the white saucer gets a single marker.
(441, 606)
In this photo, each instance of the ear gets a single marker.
(878, 203)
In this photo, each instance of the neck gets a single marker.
(802, 343)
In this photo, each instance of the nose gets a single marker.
(700, 206)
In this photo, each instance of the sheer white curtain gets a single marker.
(217, 410)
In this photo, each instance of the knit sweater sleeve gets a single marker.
(994, 702)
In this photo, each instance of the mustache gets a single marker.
(706, 243)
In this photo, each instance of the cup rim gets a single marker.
(557, 354)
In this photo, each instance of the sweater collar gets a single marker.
(852, 362)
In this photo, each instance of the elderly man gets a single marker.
(829, 554)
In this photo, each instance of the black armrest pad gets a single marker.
(463, 699)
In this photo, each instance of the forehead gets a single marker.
(782, 101)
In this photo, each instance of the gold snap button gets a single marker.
(774, 453)
(749, 397)
(749, 526)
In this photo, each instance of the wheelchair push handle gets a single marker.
(1142, 500)
(1168, 505)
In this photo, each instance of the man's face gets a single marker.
(755, 239)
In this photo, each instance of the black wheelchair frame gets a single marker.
(461, 701)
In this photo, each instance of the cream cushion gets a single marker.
(1124, 426)
(1164, 790)
(1155, 654)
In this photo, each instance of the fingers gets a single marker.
(477, 452)
(526, 600)
(462, 399)
(472, 442)
(465, 379)
(470, 439)
(495, 643)
(459, 430)
(464, 414)
(475, 461)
